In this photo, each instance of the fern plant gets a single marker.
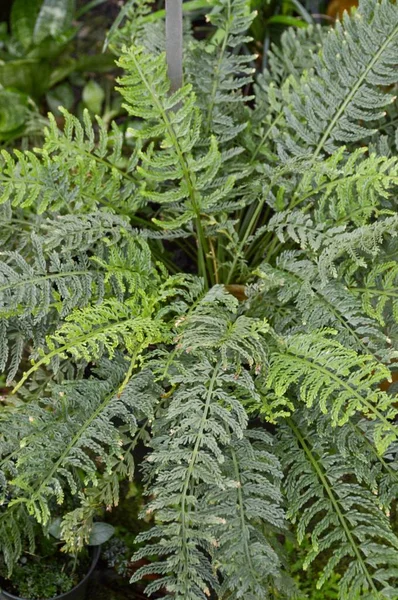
(220, 283)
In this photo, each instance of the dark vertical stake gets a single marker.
(174, 42)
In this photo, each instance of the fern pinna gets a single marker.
(220, 282)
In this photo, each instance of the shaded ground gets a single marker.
(107, 585)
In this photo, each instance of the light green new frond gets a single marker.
(90, 332)
(337, 380)
(175, 120)
(75, 168)
(350, 188)
(342, 98)
(342, 517)
(251, 513)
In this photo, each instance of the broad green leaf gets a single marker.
(23, 18)
(93, 97)
(287, 21)
(55, 528)
(27, 75)
(55, 17)
(13, 111)
(100, 533)
(62, 95)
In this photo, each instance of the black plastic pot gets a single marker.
(78, 592)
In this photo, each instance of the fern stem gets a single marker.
(245, 237)
(129, 373)
(375, 291)
(266, 136)
(338, 114)
(322, 477)
(191, 465)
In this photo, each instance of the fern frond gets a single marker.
(59, 454)
(67, 233)
(357, 246)
(344, 96)
(348, 189)
(379, 293)
(72, 169)
(190, 439)
(312, 304)
(251, 511)
(224, 72)
(16, 527)
(342, 517)
(176, 121)
(338, 380)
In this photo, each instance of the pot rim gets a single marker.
(94, 561)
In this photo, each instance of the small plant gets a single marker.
(224, 292)
(36, 58)
(45, 574)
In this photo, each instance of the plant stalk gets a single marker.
(174, 42)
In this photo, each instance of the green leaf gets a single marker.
(93, 96)
(100, 533)
(55, 17)
(26, 75)
(62, 95)
(287, 21)
(13, 111)
(55, 528)
(23, 18)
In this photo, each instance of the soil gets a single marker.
(107, 585)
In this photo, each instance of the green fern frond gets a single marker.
(348, 189)
(356, 246)
(379, 293)
(342, 517)
(338, 380)
(190, 439)
(310, 304)
(251, 511)
(223, 71)
(343, 98)
(72, 169)
(16, 527)
(58, 454)
(176, 120)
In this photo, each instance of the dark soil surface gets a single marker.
(107, 585)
